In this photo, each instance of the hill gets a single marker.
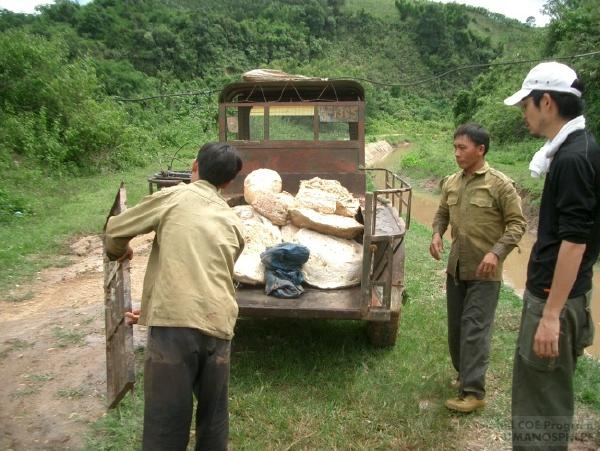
(99, 87)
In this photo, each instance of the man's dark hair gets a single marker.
(475, 133)
(218, 163)
(569, 105)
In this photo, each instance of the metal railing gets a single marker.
(395, 191)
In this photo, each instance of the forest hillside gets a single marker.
(109, 85)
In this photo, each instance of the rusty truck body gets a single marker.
(305, 128)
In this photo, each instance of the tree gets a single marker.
(52, 111)
(61, 11)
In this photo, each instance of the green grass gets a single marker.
(70, 393)
(23, 392)
(315, 384)
(58, 210)
(306, 384)
(20, 297)
(68, 337)
(14, 344)
(588, 380)
(44, 377)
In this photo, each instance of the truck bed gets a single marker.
(343, 303)
(313, 303)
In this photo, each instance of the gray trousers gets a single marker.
(471, 310)
(182, 363)
(542, 393)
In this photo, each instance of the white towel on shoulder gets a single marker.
(540, 163)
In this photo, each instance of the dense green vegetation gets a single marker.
(114, 85)
(92, 95)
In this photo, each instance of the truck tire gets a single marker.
(383, 334)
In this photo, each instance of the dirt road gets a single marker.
(52, 351)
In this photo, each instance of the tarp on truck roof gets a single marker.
(292, 91)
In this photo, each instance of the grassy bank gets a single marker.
(429, 156)
(299, 384)
(54, 210)
(310, 384)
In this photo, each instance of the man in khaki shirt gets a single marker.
(484, 211)
(188, 300)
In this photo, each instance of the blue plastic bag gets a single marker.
(283, 262)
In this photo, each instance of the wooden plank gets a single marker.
(307, 160)
(120, 372)
(314, 303)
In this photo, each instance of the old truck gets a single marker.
(304, 128)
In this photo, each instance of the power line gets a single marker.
(474, 66)
(374, 82)
(161, 96)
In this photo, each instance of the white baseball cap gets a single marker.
(550, 76)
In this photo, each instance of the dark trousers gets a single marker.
(182, 363)
(471, 310)
(542, 393)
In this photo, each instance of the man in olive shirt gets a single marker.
(484, 211)
(188, 300)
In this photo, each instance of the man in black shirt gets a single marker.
(556, 323)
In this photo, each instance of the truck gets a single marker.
(303, 128)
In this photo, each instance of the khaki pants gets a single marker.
(471, 310)
(542, 388)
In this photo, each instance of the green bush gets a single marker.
(54, 112)
(504, 124)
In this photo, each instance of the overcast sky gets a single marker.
(517, 9)
(28, 6)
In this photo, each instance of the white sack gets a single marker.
(259, 233)
(261, 180)
(333, 262)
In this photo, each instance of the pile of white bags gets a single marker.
(320, 217)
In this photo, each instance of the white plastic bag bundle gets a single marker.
(259, 233)
(333, 262)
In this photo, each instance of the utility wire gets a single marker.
(378, 83)
(475, 66)
(161, 96)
